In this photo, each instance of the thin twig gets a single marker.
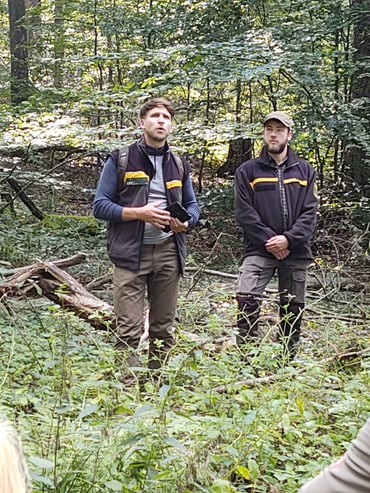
(252, 382)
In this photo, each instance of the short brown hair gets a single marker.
(154, 103)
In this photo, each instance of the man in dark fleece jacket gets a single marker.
(276, 207)
(145, 243)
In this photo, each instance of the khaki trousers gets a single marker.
(158, 277)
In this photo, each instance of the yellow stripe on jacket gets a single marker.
(275, 180)
(263, 180)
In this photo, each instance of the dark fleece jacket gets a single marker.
(272, 200)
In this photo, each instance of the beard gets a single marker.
(276, 148)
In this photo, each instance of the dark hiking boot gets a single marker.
(247, 321)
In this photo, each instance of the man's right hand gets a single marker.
(278, 246)
(282, 254)
(149, 213)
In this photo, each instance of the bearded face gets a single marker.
(277, 148)
(276, 137)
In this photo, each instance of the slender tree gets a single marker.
(59, 38)
(19, 80)
(357, 155)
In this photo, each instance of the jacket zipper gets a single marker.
(282, 196)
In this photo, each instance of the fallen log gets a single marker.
(47, 279)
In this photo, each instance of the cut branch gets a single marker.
(62, 263)
(24, 198)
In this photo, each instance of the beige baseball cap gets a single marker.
(281, 117)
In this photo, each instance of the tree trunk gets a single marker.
(19, 79)
(25, 199)
(357, 155)
(59, 39)
(240, 150)
(31, 3)
(34, 23)
(61, 288)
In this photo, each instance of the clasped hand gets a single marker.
(278, 246)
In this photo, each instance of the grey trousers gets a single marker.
(254, 275)
(257, 271)
(158, 277)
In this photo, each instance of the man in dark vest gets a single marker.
(276, 208)
(145, 243)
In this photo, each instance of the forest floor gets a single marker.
(220, 423)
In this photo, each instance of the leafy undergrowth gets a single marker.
(216, 422)
(198, 429)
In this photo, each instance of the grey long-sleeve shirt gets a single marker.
(351, 474)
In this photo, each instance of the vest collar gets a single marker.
(153, 151)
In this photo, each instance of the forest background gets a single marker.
(72, 76)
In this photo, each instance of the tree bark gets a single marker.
(62, 263)
(59, 38)
(356, 155)
(25, 199)
(48, 279)
(240, 150)
(19, 77)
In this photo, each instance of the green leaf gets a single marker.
(42, 479)
(163, 391)
(243, 472)
(132, 439)
(300, 405)
(143, 410)
(41, 462)
(254, 469)
(89, 409)
(176, 444)
(285, 421)
(221, 486)
(114, 485)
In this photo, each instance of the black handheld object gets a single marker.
(178, 211)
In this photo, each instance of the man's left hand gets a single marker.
(277, 245)
(177, 226)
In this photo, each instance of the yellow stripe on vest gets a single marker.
(134, 174)
(173, 184)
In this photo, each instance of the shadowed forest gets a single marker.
(72, 77)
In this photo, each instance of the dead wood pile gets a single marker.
(50, 280)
